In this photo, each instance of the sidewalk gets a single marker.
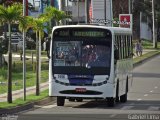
(144, 52)
(43, 86)
(19, 93)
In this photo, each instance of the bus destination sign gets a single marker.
(80, 33)
(88, 34)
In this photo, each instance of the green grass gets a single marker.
(148, 44)
(20, 101)
(17, 75)
(140, 58)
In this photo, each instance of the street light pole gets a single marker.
(78, 9)
(24, 60)
(105, 17)
(153, 17)
(129, 6)
(86, 11)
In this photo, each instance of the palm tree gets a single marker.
(38, 26)
(55, 14)
(9, 15)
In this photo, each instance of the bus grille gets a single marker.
(88, 92)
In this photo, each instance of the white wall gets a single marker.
(81, 11)
(98, 9)
(145, 31)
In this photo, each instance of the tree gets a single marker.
(38, 25)
(9, 15)
(146, 8)
(55, 14)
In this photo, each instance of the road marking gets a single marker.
(49, 106)
(155, 87)
(145, 95)
(153, 108)
(113, 115)
(151, 91)
(126, 107)
(139, 99)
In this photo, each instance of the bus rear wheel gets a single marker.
(123, 98)
(60, 101)
(110, 102)
(71, 99)
(79, 99)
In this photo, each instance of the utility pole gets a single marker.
(87, 11)
(129, 6)
(24, 55)
(153, 17)
(78, 10)
(105, 17)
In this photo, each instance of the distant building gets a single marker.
(98, 10)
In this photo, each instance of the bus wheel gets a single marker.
(123, 98)
(71, 99)
(111, 102)
(117, 91)
(60, 101)
(79, 99)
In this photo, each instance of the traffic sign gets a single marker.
(125, 20)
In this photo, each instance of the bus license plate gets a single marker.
(81, 89)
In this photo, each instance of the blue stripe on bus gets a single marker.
(80, 79)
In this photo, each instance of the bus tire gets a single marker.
(117, 91)
(110, 102)
(60, 101)
(123, 98)
(79, 99)
(72, 99)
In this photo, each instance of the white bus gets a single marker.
(90, 62)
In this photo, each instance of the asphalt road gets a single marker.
(143, 101)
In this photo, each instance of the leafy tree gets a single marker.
(9, 15)
(145, 6)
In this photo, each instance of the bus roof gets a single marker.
(116, 30)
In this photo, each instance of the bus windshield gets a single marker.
(82, 53)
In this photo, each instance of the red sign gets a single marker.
(125, 20)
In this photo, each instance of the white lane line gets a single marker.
(145, 95)
(113, 115)
(153, 108)
(139, 99)
(126, 107)
(151, 91)
(155, 87)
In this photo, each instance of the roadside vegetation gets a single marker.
(17, 74)
(20, 101)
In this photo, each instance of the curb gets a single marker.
(25, 107)
(47, 100)
(144, 60)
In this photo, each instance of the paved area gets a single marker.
(43, 86)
